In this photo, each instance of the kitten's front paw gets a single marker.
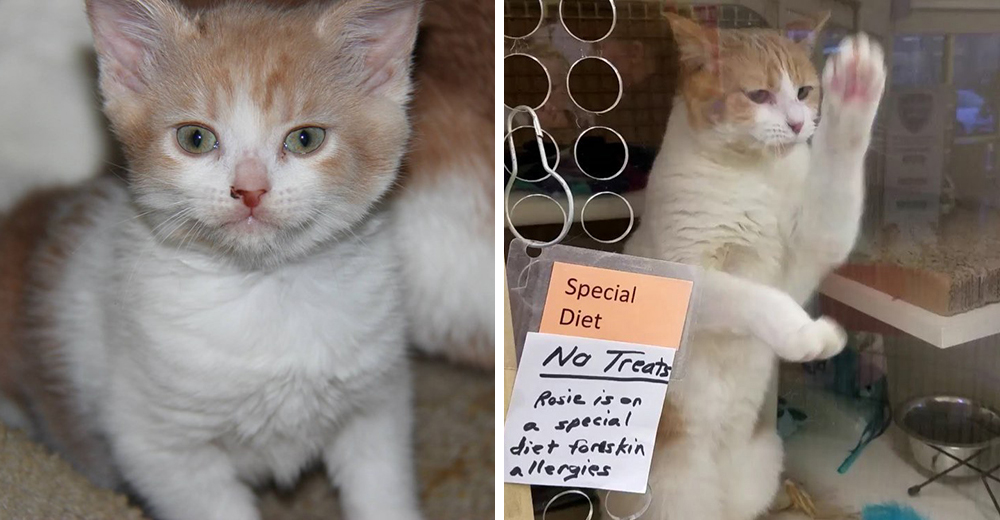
(820, 339)
(853, 82)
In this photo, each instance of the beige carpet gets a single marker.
(454, 443)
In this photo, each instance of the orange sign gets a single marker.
(598, 303)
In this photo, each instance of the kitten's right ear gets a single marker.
(128, 36)
(376, 38)
(693, 42)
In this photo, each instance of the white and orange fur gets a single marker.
(443, 205)
(740, 189)
(173, 334)
(443, 211)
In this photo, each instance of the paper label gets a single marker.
(914, 155)
(584, 412)
(598, 303)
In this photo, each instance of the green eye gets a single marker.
(196, 139)
(305, 140)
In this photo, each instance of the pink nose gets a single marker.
(250, 182)
(251, 198)
(795, 126)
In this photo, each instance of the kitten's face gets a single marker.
(749, 89)
(256, 133)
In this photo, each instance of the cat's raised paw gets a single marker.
(853, 83)
(820, 339)
(856, 72)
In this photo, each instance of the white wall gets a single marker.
(51, 130)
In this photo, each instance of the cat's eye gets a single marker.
(196, 139)
(304, 140)
(804, 92)
(759, 96)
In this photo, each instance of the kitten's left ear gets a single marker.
(129, 36)
(806, 32)
(376, 37)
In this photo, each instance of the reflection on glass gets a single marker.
(977, 81)
(917, 60)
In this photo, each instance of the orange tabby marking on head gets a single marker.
(718, 66)
(209, 71)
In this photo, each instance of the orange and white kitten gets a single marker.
(443, 211)
(739, 188)
(228, 313)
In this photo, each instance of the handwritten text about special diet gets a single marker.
(584, 412)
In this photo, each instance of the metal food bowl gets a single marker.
(959, 426)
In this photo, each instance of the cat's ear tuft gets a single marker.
(806, 32)
(128, 35)
(694, 42)
(377, 38)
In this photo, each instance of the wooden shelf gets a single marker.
(940, 331)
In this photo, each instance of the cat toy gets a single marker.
(799, 501)
(865, 374)
(890, 511)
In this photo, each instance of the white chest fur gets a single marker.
(733, 217)
(266, 364)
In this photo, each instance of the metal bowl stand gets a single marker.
(984, 475)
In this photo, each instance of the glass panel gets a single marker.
(920, 293)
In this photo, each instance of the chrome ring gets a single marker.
(511, 209)
(541, 18)
(634, 516)
(577, 159)
(569, 91)
(614, 22)
(631, 218)
(590, 502)
(554, 143)
(548, 78)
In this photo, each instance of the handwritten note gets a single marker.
(584, 412)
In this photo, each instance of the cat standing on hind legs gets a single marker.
(738, 188)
